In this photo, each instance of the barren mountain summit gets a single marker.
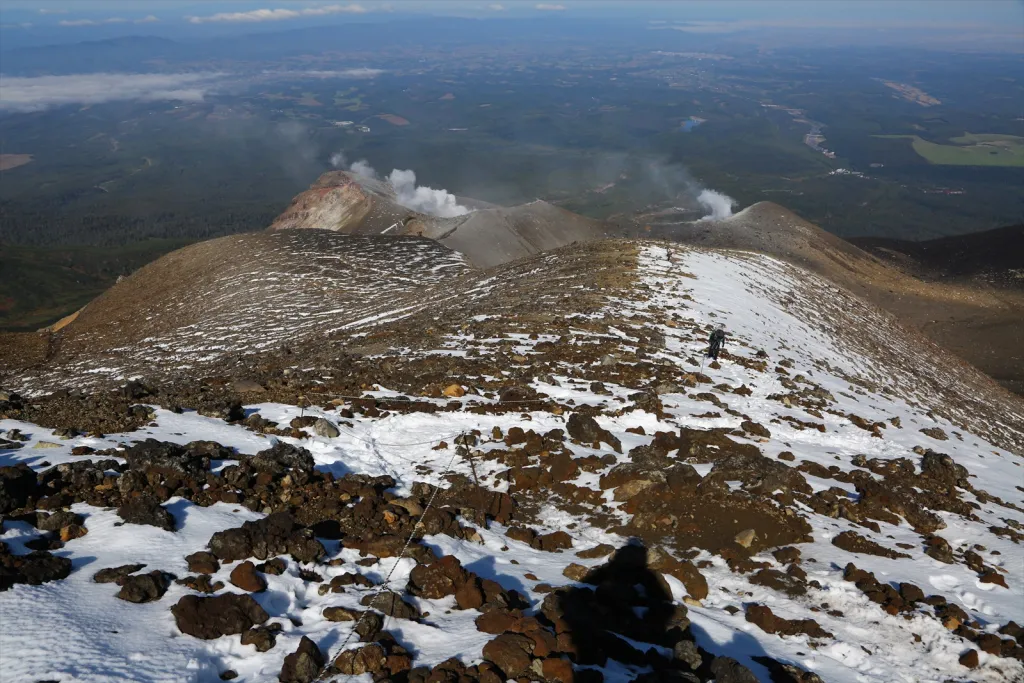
(486, 234)
(351, 204)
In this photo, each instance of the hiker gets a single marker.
(715, 341)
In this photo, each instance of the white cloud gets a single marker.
(110, 20)
(42, 92)
(280, 14)
(545, 7)
(93, 22)
(496, 7)
(53, 11)
(360, 72)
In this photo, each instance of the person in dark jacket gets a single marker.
(716, 341)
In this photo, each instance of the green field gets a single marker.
(970, 149)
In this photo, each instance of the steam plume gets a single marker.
(440, 203)
(426, 200)
(363, 168)
(718, 205)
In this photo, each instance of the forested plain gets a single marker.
(598, 132)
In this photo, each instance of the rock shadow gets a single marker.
(486, 567)
(621, 618)
(623, 611)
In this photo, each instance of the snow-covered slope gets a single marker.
(813, 449)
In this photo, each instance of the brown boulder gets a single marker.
(601, 550)
(437, 579)
(558, 670)
(202, 562)
(853, 542)
(563, 467)
(762, 617)
(556, 540)
(470, 595)
(496, 621)
(367, 659)
(684, 570)
(992, 576)
(340, 614)
(303, 665)
(969, 659)
(262, 638)
(247, 578)
(510, 652)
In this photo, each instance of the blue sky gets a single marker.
(996, 13)
(976, 22)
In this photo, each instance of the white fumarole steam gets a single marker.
(440, 203)
(718, 204)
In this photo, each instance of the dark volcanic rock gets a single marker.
(201, 583)
(280, 458)
(217, 616)
(853, 542)
(943, 469)
(146, 510)
(115, 574)
(728, 670)
(276, 534)
(784, 583)
(263, 638)
(586, 430)
(391, 605)
(144, 587)
(168, 459)
(57, 520)
(35, 568)
(17, 485)
(303, 665)
(760, 474)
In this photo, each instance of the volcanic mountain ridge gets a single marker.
(303, 454)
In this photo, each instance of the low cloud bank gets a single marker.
(360, 72)
(433, 202)
(281, 14)
(111, 20)
(43, 92)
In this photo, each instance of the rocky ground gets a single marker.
(537, 477)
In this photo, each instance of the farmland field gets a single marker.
(9, 161)
(970, 149)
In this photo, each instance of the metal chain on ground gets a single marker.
(371, 442)
(411, 399)
(387, 580)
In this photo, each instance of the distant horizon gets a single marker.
(981, 24)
